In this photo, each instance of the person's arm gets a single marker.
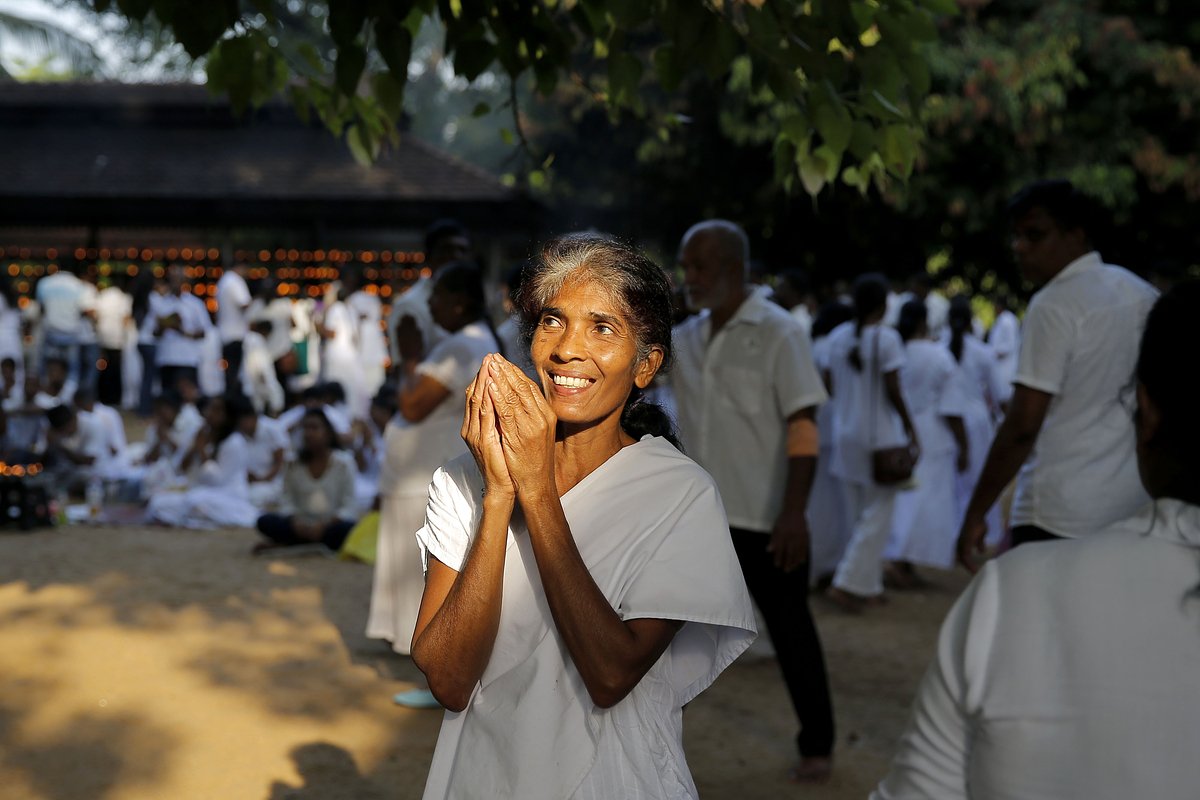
(612, 655)
(959, 431)
(1014, 442)
(420, 397)
(277, 457)
(891, 385)
(460, 609)
(195, 453)
(789, 540)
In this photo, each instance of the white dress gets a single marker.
(650, 527)
(369, 312)
(1005, 340)
(341, 358)
(827, 525)
(925, 520)
(1067, 670)
(219, 496)
(413, 452)
(978, 383)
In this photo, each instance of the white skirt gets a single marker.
(399, 579)
(925, 519)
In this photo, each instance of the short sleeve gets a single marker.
(449, 363)
(797, 384)
(694, 576)
(449, 523)
(891, 349)
(1045, 348)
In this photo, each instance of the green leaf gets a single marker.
(948, 7)
(507, 136)
(363, 146)
(812, 173)
(721, 49)
(795, 128)
(624, 76)
(481, 110)
(835, 125)
(389, 93)
(473, 57)
(667, 66)
(349, 66)
(346, 19)
(198, 26)
(899, 149)
(394, 43)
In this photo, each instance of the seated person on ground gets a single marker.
(318, 504)
(266, 447)
(58, 389)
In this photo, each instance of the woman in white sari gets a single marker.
(581, 585)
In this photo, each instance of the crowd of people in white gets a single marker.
(298, 418)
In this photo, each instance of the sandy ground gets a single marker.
(141, 663)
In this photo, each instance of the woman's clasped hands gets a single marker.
(510, 430)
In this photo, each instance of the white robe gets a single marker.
(828, 530)
(925, 520)
(651, 529)
(342, 359)
(368, 312)
(979, 383)
(413, 452)
(218, 498)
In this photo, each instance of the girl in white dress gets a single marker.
(828, 529)
(219, 494)
(925, 520)
(582, 586)
(979, 381)
(865, 358)
(423, 436)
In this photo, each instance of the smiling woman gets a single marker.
(581, 586)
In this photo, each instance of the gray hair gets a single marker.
(729, 237)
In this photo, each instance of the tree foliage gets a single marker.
(835, 85)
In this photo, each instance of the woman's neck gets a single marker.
(580, 451)
(318, 462)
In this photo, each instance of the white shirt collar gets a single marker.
(1087, 261)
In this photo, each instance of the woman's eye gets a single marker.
(603, 329)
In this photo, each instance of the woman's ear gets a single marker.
(647, 368)
(1148, 419)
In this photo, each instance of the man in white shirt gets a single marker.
(62, 297)
(1068, 429)
(747, 391)
(233, 303)
(445, 241)
(180, 325)
(792, 291)
(114, 320)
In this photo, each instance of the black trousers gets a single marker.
(279, 528)
(108, 382)
(169, 376)
(1024, 534)
(782, 598)
(232, 353)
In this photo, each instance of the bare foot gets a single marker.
(812, 770)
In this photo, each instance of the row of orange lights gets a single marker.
(313, 256)
(19, 470)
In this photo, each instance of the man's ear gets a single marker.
(648, 367)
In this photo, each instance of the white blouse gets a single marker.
(1067, 670)
(650, 527)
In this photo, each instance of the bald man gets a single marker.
(747, 391)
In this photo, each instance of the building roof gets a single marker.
(155, 154)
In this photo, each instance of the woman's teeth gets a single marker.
(570, 383)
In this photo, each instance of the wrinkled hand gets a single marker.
(480, 432)
(527, 425)
(971, 544)
(789, 541)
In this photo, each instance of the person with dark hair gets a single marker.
(341, 351)
(148, 290)
(169, 435)
(75, 449)
(581, 587)
(925, 519)
(180, 325)
(980, 386)
(63, 298)
(794, 292)
(828, 526)
(114, 323)
(266, 452)
(233, 321)
(317, 502)
(425, 435)
(216, 463)
(747, 391)
(870, 414)
(367, 310)
(56, 388)
(1066, 669)
(1066, 430)
(446, 241)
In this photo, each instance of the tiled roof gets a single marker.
(164, 143)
